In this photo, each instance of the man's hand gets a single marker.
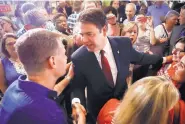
(78, 113)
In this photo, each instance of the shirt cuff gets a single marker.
(75, 100)
(164, 60)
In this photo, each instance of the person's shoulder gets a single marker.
(119, 39)
(37, 115)
(151, 7)
(158, 27)
(80, 53)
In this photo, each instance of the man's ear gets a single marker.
(52, 62)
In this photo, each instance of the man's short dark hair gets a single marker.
(94, 16)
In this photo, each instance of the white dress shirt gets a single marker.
(110, 57)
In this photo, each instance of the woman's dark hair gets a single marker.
(112, 2)
(3, 45)
(110, 9)
(181, 40)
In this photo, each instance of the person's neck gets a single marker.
(43, 79)
(169, 27)
(15, 58)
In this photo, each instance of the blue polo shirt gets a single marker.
(156, 12)
(27, 102)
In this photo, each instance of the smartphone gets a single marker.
(142, 19)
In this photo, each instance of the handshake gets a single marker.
(78, 113)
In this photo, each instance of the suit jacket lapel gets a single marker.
(115, 51)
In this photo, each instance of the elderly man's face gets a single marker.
(129, 11)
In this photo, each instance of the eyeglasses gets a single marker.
(178, 49)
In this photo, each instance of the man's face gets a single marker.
(179, 75)
(182, 17)
(61, 60)
(61, 24)
(92, 37)
(129, 11)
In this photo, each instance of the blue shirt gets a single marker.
(156, 12)
(126, 20)
(27, 102)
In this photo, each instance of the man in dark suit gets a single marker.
(102, 63)
(179, 30)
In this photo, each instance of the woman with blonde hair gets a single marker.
(130, 30)
(147, 102)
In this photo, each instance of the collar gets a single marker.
(106, 48)
(33, 87)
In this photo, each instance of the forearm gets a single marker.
(62, 85)
(153, 39)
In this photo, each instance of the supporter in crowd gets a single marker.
(7, 25)
(60, 22)
(42, 54)
(27, 6)
(177, 31)
(143, 8)
(36, 18)
(163, 32)
(175, 72)
(115, 4)
(72, 19)
(130, 30)
(113, 26)
(64, 7)
(158, 11)
(146, 34)
(147, 101)
(18, 21)
(10, 66)
(130, 11)
(121, 12)
(177, 53)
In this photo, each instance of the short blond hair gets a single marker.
(36, 46)
(147, 102)
(128, 26)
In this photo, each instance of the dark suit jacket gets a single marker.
(175, 35)
(88, 73)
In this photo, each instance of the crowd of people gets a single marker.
(86, 63)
